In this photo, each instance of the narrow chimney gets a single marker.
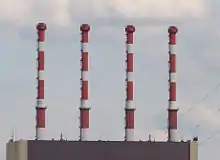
(84, 108)
(172, 109)
(40, 106)
(129, 108)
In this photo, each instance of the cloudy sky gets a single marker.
(198, 68)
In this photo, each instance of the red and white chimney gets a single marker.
(84, 108)
(129, 108)
(172, 109)
(40, 106)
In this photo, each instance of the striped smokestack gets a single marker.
(129, 108)
(172, 109)
(84, 108)
(40, 107)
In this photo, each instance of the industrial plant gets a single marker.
(84, 149)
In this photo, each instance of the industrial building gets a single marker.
(84, 149)
(108, 150)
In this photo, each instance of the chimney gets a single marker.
(40, 106)
(172, 109)
(129, 108)
(84, 108)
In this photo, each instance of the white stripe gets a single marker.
(129, 76)
(40, 133)
(172, 49)
(129, 104)
(84, 47)
(84, 104)
(84, 132)
(172, 77)
(130, 48)
(84, 75)
(40, 46)
(172, 105)
(41, 75)
(129, 134)
(40, 103)
(173, 135)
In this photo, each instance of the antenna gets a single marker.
(61, 136)
(150, 137)
(13, 135)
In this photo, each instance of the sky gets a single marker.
(198, 66)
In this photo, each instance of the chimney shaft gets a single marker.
(129, 108)
(172, 109)
(84, 108)
(40, 106)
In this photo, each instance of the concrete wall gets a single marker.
(194, 150)
(16, 150)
